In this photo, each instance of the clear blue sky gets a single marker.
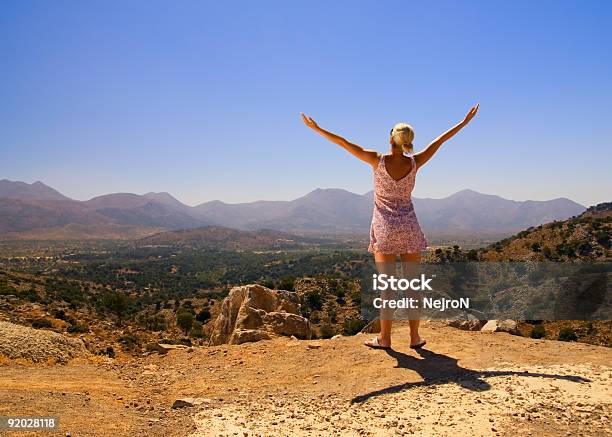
(202, 99)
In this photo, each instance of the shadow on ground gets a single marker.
(436, 369)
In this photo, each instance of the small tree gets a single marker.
(118, 303)
(184, 319)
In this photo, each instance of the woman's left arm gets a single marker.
(425, 155)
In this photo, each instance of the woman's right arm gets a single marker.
(369, 156)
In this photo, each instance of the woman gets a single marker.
(395, 230)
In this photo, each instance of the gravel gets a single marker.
(38, 345)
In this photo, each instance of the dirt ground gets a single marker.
(462, 383)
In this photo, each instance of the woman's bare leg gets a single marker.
(415, 338)
(385, 264)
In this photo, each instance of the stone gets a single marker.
(509, 326)
(467, 322)
(254, 312)
(240, 336)
(168, 347)
(189, 402)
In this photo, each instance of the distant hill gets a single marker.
(220, 237)
(470, 211)
(24, 191)
(322, 210)
(39, 210)
(135, 210)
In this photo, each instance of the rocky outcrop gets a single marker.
(253, 312)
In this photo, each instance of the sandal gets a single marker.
(374, 343)
(418, 345)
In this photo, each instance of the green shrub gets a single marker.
(585, 249)
(327, 331)
(157, 323)
(603, 238)
(314, 300)
(78, 329)
(352, 326)
(538, 331)
(5, 288)
(110, 352)
(268, 283)
(196, 330)
(151, 347)
(130, 342)
(567, 334)
(30, 295)
(41, 323)
(314, 317)
(287, 283)
(340, 297)
(590, 328)
(203, 316)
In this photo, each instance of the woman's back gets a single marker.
(394, 179)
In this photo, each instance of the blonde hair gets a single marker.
(403, 135)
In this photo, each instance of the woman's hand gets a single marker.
(369, 156)
(422, 157)
(471, 114)
(308, 121)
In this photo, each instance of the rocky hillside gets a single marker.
(582, 238)
(586, 237)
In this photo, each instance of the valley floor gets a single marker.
(463, 383)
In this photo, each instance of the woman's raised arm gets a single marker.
(423, 156)
(369, 156)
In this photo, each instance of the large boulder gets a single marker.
(254, 312)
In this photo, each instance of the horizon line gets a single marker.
(287, 200)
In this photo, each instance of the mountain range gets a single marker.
(38, 211)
